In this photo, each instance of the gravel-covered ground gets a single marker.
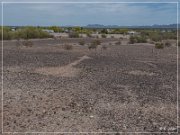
(126, 88)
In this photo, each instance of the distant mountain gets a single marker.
(172, 26)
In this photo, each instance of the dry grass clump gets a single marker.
(27, 43)
(118, 43)
(67, 47)
(103, 36)
(167, 44)
(82, 42)
(104, 47)
(94, 44)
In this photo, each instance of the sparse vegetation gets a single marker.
(167, 44)
(23, 33)
(97, 42)
(67, 47)
(82, 42)
(118, 43)
(73, 35)
(104, 47)
(132, 40)
(159, 45)
(94, 44)
(27, 43)
(89, 35)
(103, 36)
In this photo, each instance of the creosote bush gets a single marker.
(159, 45)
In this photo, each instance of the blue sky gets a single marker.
(83, 14)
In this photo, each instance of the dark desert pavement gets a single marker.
(126, 88)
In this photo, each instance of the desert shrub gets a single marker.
(94, 44)
(159, 45)
(104, 31)
(104, 47)
(132, 40)
(56, 29)
(18, 43)
(97, 42)
(167, 44)
(67, 47)
(30, 33)
(24, 33)
(103, 36)
(7, 33)
(81, 42)
(155, 36)
(74, 35)
(137, 39)
(89, 35)
(141, 39)
(27, 43)
(118, 43)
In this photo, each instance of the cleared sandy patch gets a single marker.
(65, 71)
(138, 72)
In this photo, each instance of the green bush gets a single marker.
(137, 39)
(159, 45)
(23, 33)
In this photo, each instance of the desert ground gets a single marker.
(121, 88)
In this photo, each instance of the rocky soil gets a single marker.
(125, 88)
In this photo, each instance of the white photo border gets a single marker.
(28, 2)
